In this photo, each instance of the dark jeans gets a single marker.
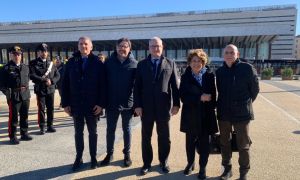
(112, 117)
(163, 137)
(91, 122)
(42, 102)
(199, 143)
(243, 142)
(16, 108)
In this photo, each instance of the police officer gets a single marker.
(14, 84)
(44, 75)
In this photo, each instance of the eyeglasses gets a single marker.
(229, 52)
(16, 54)
(155, 46)
(123, 46)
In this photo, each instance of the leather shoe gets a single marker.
(164, 167)
(145, 169)
(227, 174)
(188, 169)
(26, 137)
(77, 164)
(202, 174)
(14, 141)
(94, 163)
(42, 131)
(127, 160)
(51, 129)
(106, 161)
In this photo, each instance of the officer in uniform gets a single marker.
(14, 84)
(44, 75)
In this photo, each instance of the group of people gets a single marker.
(150, 89)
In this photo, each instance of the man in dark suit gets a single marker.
(83, 96)
(156, 98)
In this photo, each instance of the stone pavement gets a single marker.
(275, 152)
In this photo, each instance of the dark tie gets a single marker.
(84, 62)
(154, 68)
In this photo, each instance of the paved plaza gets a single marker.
(275, 152)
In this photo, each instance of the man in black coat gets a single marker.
(156, 98)
(44, 75)
(60, 68)
(120, 69)
(83, 96)
(14, 84)
(237, 86)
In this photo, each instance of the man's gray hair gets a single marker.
(155, 38)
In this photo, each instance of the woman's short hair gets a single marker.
(200, 53)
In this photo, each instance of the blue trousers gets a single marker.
(112, 120)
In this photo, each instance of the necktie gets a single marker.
(154, 67)
(84, 62)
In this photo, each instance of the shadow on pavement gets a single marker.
(48, 173)
(296, 132)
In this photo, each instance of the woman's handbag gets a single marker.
(215, 144)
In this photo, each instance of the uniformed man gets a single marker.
(44, 75)
(14, 84)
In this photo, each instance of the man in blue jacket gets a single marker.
(83, 96)
(120, 69)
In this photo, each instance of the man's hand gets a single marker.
(68, 110)
(48, 82)
(138, 111)
(174, 110)
(205, 97)
(97, 110)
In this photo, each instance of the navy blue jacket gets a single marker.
(83, 89)
(120, 82)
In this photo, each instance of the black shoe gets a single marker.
(202, 174)
(94, 163)
(164, 167)
(42, 130)
(51, 129)
(14, 141)
(243, 176)
(145, 169)
(106, 161)
(127, 160)
(26, 137)
(77, 164)
(188, 169)
(227, 173)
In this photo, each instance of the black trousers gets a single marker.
(164, 143)
(199, 143)
(42, 102)
(91, 122)
(15, 108)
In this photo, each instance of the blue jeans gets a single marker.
(112, 117)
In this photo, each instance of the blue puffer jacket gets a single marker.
(120, 81)
(83, 89)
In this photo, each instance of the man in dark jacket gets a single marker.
(156, 98)
(44, 75)
(83, 96)
(120, 69)
(237, 86)
(14, 84)
(60, 68)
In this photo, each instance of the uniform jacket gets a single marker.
(15, 81)
(120, 81)
(37, 69)
(198, 116)
(237, 89)
(83, 89)
(156, 97)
